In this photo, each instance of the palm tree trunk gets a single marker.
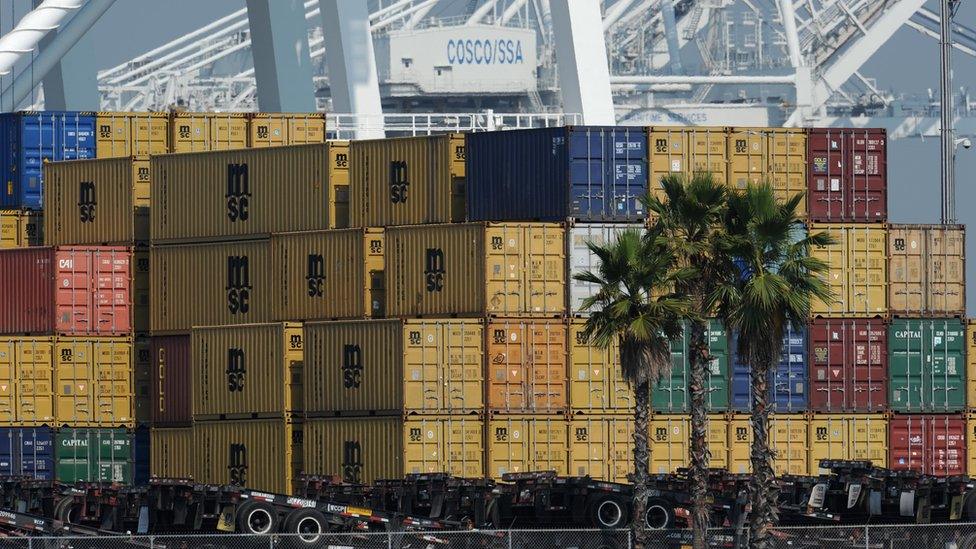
(642, 461)
(763, 489)
(699, 457)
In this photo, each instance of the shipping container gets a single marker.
(582, 259)
(273, 129)
(211, 196)
(97, 202)
(363, 450)
(584, 173)
(260, 454)
(339, 183)
(929, 444)
(526, 443)
(596, 383)
(93, 382)
(394, 366)
(670, 438)
(526, 366)
(602, 447)
(210, 285)
(140, 455)
(684, 151)
(72, 290)
(848, 365)
(927, 266)
(207, 131)
(476, 269)
(971, 366)
(28, 139)
(141, 275)
(857, 272)
(848, 175)
(142, 381)
(788, 383)
(971, 441)
(927, 365)
(93, 455)
(131, 133)
(27, 452)
(325, 275)
(777, 156)
(862, 437)
(27, 381)
(407, 181)
(787, 437)
(170, 452)
(21, 228)
(171, 390)
(671, 395)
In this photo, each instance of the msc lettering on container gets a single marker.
(237, 464)
(315, 275)
(238, 193)
(238, 284)
(434, 269)
(86, 201)
(236, 370)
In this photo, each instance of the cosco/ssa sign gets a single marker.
(484, 52)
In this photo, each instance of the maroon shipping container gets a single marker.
(68, 290)
(848, 175)
(172, 401)
(848, 365)
(930, 444)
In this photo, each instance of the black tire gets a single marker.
(608, 513)
(257, 518)
(66, 510)
(309, 525)
(659, 514)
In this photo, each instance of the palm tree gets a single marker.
(775, 280)
(689, 217)
(635, 306)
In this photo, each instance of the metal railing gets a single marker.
(343, 126)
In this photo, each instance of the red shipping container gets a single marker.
(172, 401)
(930, 444)
(848, 365)
(68, 290)
(847, 175)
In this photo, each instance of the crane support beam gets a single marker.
(279, 46)
(581, 54)
(788, 14)
(24, 37)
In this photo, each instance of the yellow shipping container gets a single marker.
(927, 265)
(27, 381)
(403, 366)
(971, 444)
(477, 269)
(260, 454)
(325, 275)
(339, 183)
(97, 202)
(93, 382)
(858, 269)
(848, 436)
(20, 229)
(169, 452)
(407, 181)
(787, 437)
(267, 129)
(202, 131)
(131, 134)
(210, 285)
(596, 383)
(669, 440)
(362, 450)
(601, 447)
(247, 371)
(680, 150)
(142, 380)
(774, 155)
(524, 443)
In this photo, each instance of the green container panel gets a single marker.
(671, 393)
(927, 365)
(93, 455)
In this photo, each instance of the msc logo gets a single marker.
(237, 464)
(184, 131)
(581, 338)
(295, 341)
(398, 181)
(415, 339)
(352, 461)
(415, 435)
(434, 269)
(238, 284)
(236, 370)
(740, 146)
(821, 433)
(86, 201)
(105, 131)
(900, 244)
(501, 434)
(661, 145)
(238, 193)
(498, 335)
(66, 355)
(497, 243)
(341, 160)
(582, 435)
(315, 275)
(352, 366)
(661, 434)
(142, 174)
(741, 434)
(459, 153)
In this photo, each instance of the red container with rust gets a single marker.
(929, 443)
(847, 175)
(67, 290)
(172, 402)
(848, 365)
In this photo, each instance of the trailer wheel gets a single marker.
(309, 524)
(608, 512)
(257, 518)
(659, 514)
(66, 511)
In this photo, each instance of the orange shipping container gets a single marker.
(276, 129)
(526, 366)
(927, 265)
(596, 383)
(524, 443)
(93, 382)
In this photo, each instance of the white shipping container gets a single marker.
(581, 259)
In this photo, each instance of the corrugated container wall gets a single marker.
(788, 437)
(407, 181)
(171, 392)
(670, 438)
(601, 447)
(325, 275)
(671, 394)
(774, 155)
(684, 151)
(97, 202)
(27, 452)
(247, 371)
(857, 270)
(362, 450)
(27, 139)
(788, 383)
(927, 266)
(169, 450)
(927, 365)
(848, 175)
(21, 228)
(929, 444)
(848, 365)
(93, 381)
(524, 443)
(94, 455)
(210, 285)
(584, 173)
(582, 259)
(861, 437)
(208, 196)
(142, 403)
(526, 366)
(339, 183)
(596, 383)
(405, 367)
(27, 375)
(201, 131)
(260, 454)
(266, 129)
(72, 290)
(476, 269)
(131, 134)
(971, 365)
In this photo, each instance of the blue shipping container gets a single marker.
(585, 173)
(788, 384)
(141, 456)
(30, 138)
(27, 451)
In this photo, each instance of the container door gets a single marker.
(589, 446)
(669, 443)
(828, 440)
(73, 372)
(463, 452)
(547, 366)
(626, 167)
(73, 292)
(36, 457)
(507, 365)
(112, 292)
(544, 270)
(460, 346)
(948, 392)
(789, 379)
(868, 172)
(670, 393)
(587, 175)
(505, 260)
(828, 192)
(508, 446)
(35, 381)
(868, 347)
(113, 382)
(8, 382)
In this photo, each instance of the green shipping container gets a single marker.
(87, 455)
(671, 393)
(927, 365)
